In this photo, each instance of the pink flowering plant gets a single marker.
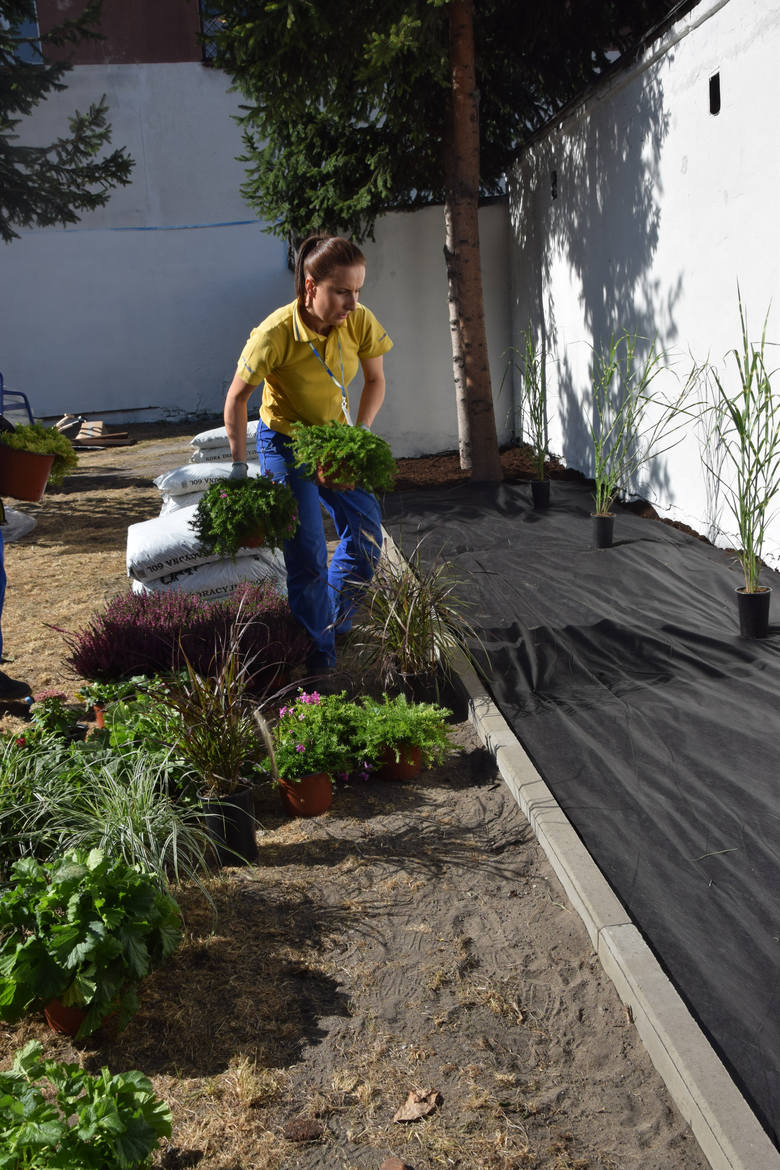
(234, 512)
(314, 733)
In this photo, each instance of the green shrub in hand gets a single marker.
(85, 929)
(233, 511)
(56, 1116)
(344, 455)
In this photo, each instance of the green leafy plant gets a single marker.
(51, 714)
(57, 1116)
(344, 455)
(532, 368)
(412, 620)
(314, 733)
(42, 440)
(630, 424)
(85, 929)
(396, 723)
(236, 512)
(101, 693)
(746, 429)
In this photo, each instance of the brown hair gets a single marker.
(319, 255)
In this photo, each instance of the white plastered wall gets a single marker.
(140, 311)
(661, 209)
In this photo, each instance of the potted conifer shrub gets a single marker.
(398, 738)
(32, 456)
(343, 457)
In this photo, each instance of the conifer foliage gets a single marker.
(43, 185)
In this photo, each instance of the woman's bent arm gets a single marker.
(236, 407)
(373, 394)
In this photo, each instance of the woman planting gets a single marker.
(305, 354)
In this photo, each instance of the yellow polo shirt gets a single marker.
(298, 387)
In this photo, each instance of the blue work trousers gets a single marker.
(323, 598)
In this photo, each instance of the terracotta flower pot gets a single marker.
(255, 539)
(23, 474)
(406, 767)
(62, 1018)
(100, 715)
(310, 796)
(328, 477)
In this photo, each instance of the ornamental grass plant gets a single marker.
(235, 513)
(344, 454)
(216, 730)
(128, 800)
(532, 410)
(630, 423)
(746, 434)
(412, 622)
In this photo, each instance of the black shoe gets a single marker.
(318, 663)
(11, 690)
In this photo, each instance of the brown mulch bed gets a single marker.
(413, 938)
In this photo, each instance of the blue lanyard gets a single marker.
(341, 385)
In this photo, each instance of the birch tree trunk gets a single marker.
(465, 281)
(453, 303)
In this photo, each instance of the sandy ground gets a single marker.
(412, 939)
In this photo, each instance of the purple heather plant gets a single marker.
(160, 632)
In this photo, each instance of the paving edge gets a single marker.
(720, 1118)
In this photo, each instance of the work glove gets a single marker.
(238, 471)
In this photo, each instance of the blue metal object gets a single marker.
(7, 395)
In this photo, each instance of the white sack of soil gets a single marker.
(190, 479)
(167, 544)
(218, 437)
(211, 454)
(17, 525)
(220, 578)
(173, 503)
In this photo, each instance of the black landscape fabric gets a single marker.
(655, 725)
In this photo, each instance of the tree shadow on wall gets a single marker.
(588, 196)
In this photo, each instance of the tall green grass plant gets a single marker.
(746, 429)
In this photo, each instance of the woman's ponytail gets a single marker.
(318, 255)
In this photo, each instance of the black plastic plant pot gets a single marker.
(753, 609)
(603, 527)
(230, 823)
(540, 494)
